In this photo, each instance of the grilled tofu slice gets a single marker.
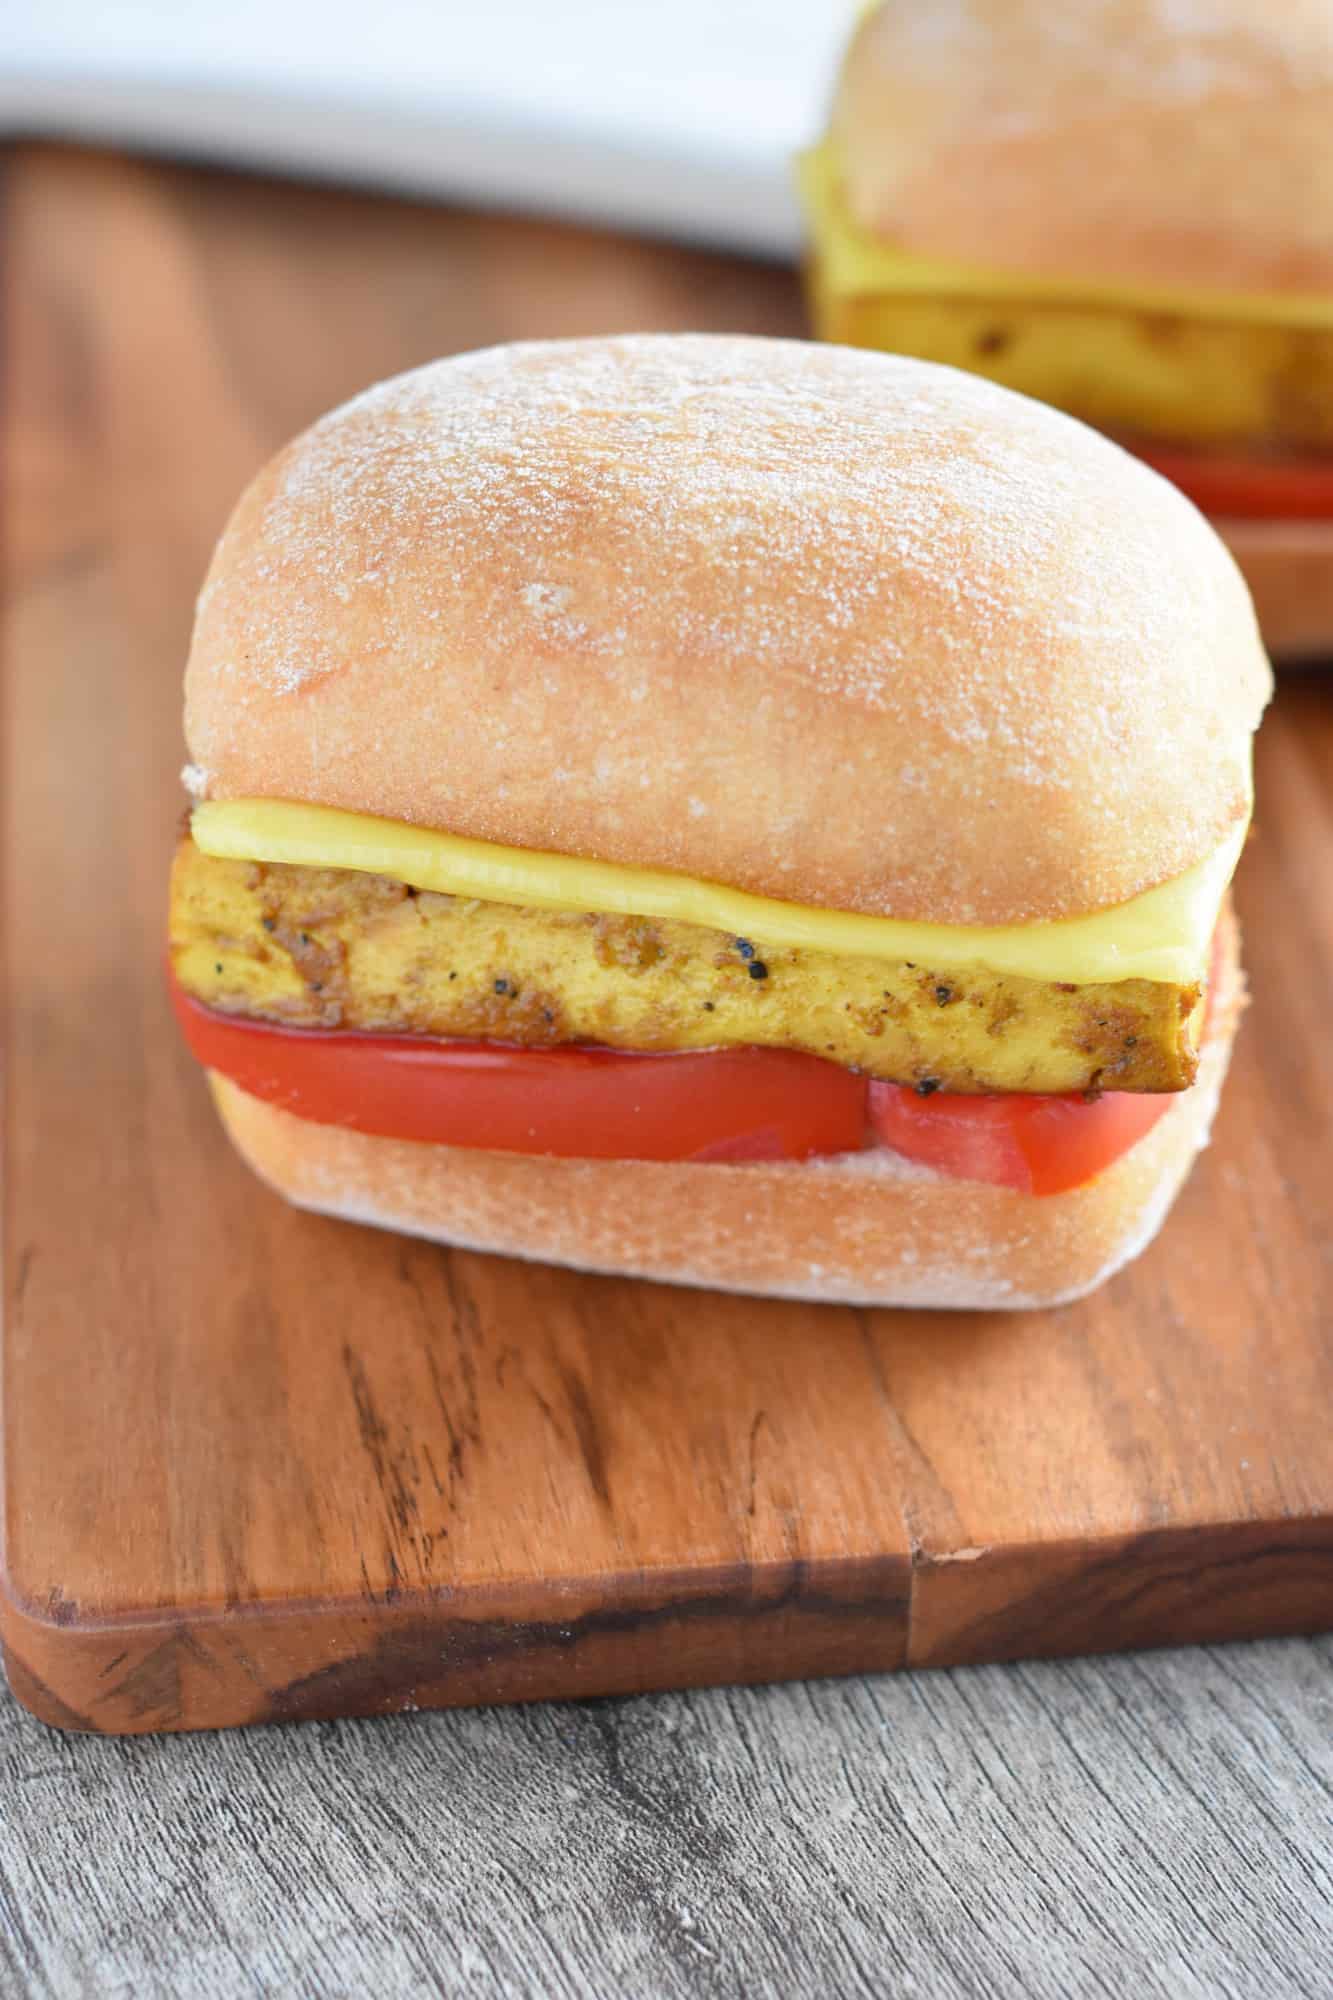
(1133, 372)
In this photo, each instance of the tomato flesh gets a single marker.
(1039, 1145)
(1247, 489)
(573, 1103)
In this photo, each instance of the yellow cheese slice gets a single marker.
(1164, 934)
(857, 261)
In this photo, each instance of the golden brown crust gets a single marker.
(1289, 568)
(867, 1228)
(1115, 138)
(837, 627)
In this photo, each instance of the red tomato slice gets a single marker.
(1247, 488)
(1040, 1145)
(575, 1103)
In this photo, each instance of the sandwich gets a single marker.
(732, 811)
(1124, 210)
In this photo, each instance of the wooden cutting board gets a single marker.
(262, 1465)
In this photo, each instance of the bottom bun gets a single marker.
(1289, 568)
(860, 1228)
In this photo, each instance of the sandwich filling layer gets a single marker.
(352, 947)
(1194, 366)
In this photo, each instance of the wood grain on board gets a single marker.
(260, 1464)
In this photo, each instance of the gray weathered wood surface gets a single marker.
(1152, 1825)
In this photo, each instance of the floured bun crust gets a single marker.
(843, 628)
(1176, 144)
(868, 1229)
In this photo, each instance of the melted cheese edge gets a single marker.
(857, 261)
(1164, 934)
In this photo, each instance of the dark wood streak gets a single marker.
(592, 1450)
(431, 1657)
(1165, 1586)
(150, 1691)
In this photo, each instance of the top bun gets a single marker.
(1136, 139)
(837, 627)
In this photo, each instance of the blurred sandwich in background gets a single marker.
(1124, 209)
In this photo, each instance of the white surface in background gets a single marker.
(672, 115)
